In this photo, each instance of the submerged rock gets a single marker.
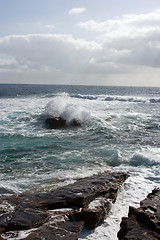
(89, 199)
(142, 223)
(58, 122)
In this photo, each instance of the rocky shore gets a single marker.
(62, 213)
(143, 223)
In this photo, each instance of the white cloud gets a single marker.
(49, 26)
(130, 49)
(39, 57)
(39, 52)
(43, 26)
(76, 11)
(125, 25)
(129, 39)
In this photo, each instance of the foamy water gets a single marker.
(120, 131)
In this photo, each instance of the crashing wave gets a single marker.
(64, 107)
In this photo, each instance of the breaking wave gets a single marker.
(66, 107)
(111, 98)
(145, 158)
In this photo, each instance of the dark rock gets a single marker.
(55, 122)
(95, 213)
(22, 219)
(59, 231)
(89, 199)
(79, 194)
(144, 222)
(58, 122)
(108, 119)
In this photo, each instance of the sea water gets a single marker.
(120, 131)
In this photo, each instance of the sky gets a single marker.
(81, 42)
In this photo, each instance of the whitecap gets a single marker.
(146, 158)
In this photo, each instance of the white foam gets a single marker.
(67, 108)
(147, 157)
(18, 235)
(7, 207)
(135, 189)
(95, 203)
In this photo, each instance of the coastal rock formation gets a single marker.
(22, 218)
(95, 213)
(143, 223)
(58, 228)
(61, 213)
(58, 122)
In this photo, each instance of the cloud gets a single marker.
(49, 26)
(45, 52)
(126, 25)
(53, 58)
(76, 11)
(129, 39)
(130, 49)
(43, 26)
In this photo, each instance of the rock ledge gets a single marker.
(142, 223)
(61, 213)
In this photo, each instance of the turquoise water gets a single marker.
(120, 131)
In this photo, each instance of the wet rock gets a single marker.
(108, 119)
(58, 227)
(143, 222)
(58, 122)
(95, 213)
(22, 219)
(89, 199)
(59, 231)
(79, 194)
(55, 122)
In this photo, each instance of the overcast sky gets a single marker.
(93, 42)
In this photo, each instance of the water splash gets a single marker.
(67, 108)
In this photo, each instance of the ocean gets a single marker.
(120, 131)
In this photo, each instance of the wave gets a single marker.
(154, 100)
(65, 107)
(124, 99)
(88, 97)
(145, 159)
(111, 98)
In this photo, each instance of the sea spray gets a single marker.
(66, 107)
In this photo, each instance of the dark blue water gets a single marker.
(13, 90)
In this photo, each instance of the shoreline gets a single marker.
(63, 211)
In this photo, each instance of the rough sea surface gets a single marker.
(120, 132)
